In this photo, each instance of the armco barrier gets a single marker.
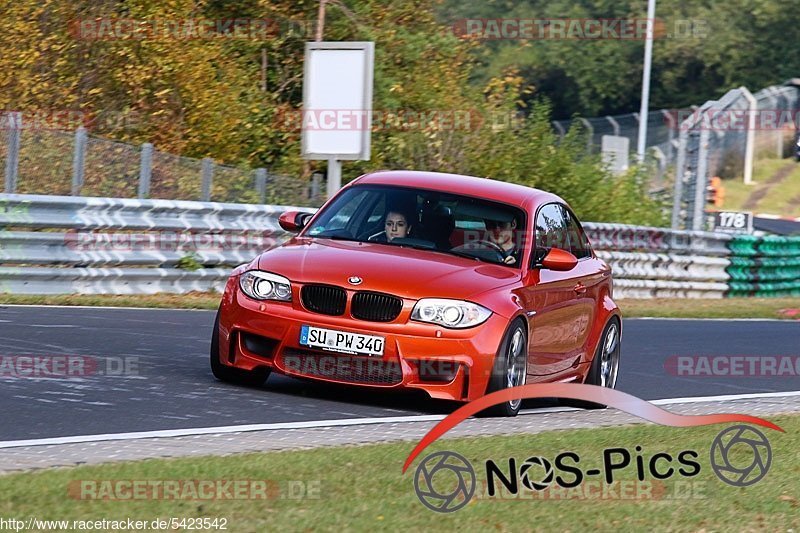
(38, 280)
(663, 263)
(626, 238)
(56, 245)
(764, 266)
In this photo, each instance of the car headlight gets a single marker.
(450, 313)
(265, 286)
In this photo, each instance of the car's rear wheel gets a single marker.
(605, 365)
(510, 368)
(251, 378)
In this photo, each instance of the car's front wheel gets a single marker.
(605, 365)
(510, 368)
(252, 378)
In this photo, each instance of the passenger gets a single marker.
(501, 234)
(396, 226)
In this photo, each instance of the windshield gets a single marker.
(429, 220)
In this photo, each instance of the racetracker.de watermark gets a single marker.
(170, 241)
(68, 120)
(718, 119)
(741, 366)
(634, 29)
(188, 29)
(621, 490)
(396, 120)
(59, 366)
(193, 489)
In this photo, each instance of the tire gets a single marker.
(605, 365)
(513, 351)
(250, 378)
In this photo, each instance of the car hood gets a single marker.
(405, 272)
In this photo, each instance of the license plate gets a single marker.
(341, 341)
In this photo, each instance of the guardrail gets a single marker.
(663, 263)
(63, 244)
(764, 266)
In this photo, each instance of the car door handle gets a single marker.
(580, 288)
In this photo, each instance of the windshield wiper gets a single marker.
(336, 237)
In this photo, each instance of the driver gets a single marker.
(502, 235)
(396, 225)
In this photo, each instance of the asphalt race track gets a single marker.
(171, 386)
(777, 226)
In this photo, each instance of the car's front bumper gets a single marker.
(445, 363)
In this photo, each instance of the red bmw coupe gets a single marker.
(456, 285)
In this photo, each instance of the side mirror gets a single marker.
(294, 221)
(559, 260)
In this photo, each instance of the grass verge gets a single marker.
(781, 308)
(362, 488)
(192, 300)
(662, 307)
(776, 198)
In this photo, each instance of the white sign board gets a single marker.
(615, 152)
(337, 100)
(733, 221)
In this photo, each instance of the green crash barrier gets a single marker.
(764, 290)
(770, 246)
(764, 266)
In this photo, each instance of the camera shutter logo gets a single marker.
(528, 478)
(733, 463)
(455, 486)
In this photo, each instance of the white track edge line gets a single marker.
(789, 320)
(76, 439)
(110, 307)
(672, 318)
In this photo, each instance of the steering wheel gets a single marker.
(501, 255)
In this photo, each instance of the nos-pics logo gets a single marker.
(446, 481)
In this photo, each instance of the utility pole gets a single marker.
(320, 20)
(648, 60)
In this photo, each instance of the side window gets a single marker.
(551, 228)
(578, 242)
(377, 214)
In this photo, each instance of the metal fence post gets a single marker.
(14, 120)
(702, 181)
(145, 170)
(750, 134)
(661, 163)
(560, 129)
(316, 185)
(207, 171)
(590, 138)
(614, 124)
(79, 160)
(778, 112)
(773, 99)
(671, 126)
(680, 171)
(261, 184)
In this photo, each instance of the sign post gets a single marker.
(337, 105)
